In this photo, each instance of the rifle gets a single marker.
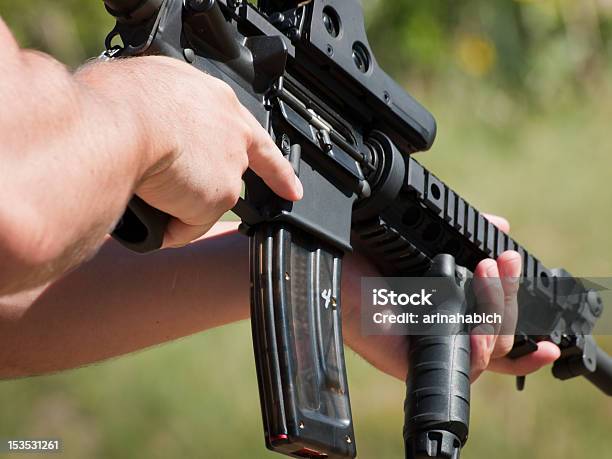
(305, 70)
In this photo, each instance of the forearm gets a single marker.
(389, 353)
(73, 149)
(119, 302)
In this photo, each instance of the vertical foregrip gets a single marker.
(437, 406)
(437, 403)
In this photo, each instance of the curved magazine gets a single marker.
(297, 338)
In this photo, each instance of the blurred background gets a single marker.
(522, 91)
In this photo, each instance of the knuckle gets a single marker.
(236, 190)
(232, 193)
(248, 134)
(508, 344)
(227, 91)
(480, 364)
(244, 163)
(506, 348)
(503, 347)
(510, 299)
(480, 354)
(228, 202)
(511, 289)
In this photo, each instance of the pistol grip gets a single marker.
(142, 227)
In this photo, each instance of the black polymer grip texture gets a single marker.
(437, 406)
(142, 227)
(132, 11)
(297, 339)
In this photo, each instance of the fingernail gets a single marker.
(513, 255)
(492, 271)
(299, 187)
(490, 343)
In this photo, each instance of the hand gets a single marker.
(390, 353)
(489, 351)
(201, 141)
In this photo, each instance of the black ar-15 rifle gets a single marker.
(305, 70)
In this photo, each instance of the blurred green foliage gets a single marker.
(522, 94)
(539, 47)
(70, 30)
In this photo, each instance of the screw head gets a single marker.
(189, 55)
(276, 18)
(293, 33)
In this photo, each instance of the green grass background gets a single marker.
(546, 166)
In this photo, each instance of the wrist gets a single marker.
(136, 118)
